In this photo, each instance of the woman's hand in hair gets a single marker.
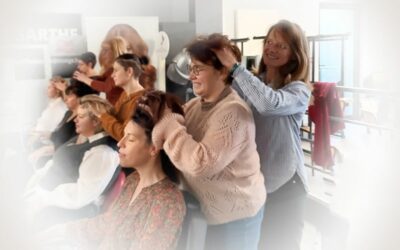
(226, 56)
(163, 128)
(166, 112)
(82, 78)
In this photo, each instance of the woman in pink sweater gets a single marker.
(214, 147)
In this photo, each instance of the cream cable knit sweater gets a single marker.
(214, 147)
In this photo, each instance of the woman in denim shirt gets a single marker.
(279, 97)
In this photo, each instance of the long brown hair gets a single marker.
(298, 67)
(142, 70)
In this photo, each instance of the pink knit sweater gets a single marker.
(216, 151)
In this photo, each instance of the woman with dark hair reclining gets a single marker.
(150, 210)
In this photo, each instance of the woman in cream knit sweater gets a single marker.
(214, 147)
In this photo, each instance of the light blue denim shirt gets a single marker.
(278, 115)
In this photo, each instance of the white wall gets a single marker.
(147, 27)
(208, 16)
(379, 42)
(256, 16)
(375, 223)
(303, 12)
(166, 11)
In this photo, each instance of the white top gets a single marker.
(51, 115)
(95, 172)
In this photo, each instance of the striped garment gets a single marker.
(278, 115)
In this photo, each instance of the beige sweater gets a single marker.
(216, 151)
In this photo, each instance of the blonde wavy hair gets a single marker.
(94, 104)
(117, 46)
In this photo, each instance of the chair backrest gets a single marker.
(114, 191)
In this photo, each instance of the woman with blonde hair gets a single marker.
(149, 213)
(279, 96)
(65, 130)
(69, 186)
(110, 49)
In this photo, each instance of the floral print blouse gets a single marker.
(152, 221)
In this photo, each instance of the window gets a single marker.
(336, 56)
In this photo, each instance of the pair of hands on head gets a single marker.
(168, 122)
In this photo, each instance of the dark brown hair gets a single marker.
(142, 70)
(79, 89)
(148, 112)
(88, 57)
(202, 48)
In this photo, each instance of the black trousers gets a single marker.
(283, 221)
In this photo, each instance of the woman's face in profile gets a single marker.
(72, 101)
(84, 124)
(121, 76)
(135, 151)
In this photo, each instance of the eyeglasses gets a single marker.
(280, 46)
(195, 69)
